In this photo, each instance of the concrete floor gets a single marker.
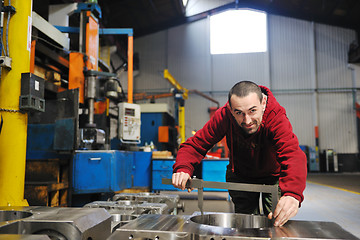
(328, 197)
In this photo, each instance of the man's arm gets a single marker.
(194, 149)
(292, 159)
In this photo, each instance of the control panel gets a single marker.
(129, 122)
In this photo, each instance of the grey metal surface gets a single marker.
(183, 227)
(172, 200)
(127, 207)
(201, 184)
(57, 223)
(23, 237)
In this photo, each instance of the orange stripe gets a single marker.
(130, 69)
(316, 131)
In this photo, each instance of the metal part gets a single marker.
(23, 237)
(49, 30)
(201, 184)
(127, 207)
(57, 223)
(90, 86)
(241, 226)
(92, 138)
(124, 211)
(172, 200)
(112, 89)
(5, 62)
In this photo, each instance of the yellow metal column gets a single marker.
(14, 124)
(182, 123)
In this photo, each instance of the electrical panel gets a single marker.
(129, 122)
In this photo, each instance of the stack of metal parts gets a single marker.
(54, 223)
(171, 200)
(225, 226)
(126, 207)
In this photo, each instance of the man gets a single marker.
(263, 150)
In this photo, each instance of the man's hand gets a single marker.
(180, 179)
(286, 208)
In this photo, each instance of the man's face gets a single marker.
(248, 111)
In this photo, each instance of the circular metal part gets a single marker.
(231, 220)
(13, 215)
(122, 218)
(112, 89)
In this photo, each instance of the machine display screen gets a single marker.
(130, 112)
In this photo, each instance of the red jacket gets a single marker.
(272, 151)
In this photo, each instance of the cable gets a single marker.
(7, 31)
(44, 40)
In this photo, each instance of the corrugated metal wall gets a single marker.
(301, 55)
(337, 128)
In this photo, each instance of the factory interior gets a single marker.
(97, 97)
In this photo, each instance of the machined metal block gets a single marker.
(57, 223)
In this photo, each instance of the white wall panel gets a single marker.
(299, 113)
(189, 55)
(152, 55)
(228, 69)
(337, 128)
(332, 44)
(290, 55)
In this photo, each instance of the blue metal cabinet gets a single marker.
(91, 171)
(121, 168)
(214, 170)
(101, 171)
(142, 169)
(162, 168)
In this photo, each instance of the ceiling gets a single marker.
(149, 16)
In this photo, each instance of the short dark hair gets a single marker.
(244, 88)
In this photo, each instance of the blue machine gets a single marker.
(110, 171)
(142, 169)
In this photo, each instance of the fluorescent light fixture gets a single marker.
(185, 2)
(238, 31)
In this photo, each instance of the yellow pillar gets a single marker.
(14, 124)
(182, 123)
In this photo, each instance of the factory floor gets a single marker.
(329, 197)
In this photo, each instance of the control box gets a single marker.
(129, 122)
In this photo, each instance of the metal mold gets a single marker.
(122, 218)
(13, 215)
(57, 223)
(127, 207)
(229, 220)
(171, 200)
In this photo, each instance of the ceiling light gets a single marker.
(185, 2)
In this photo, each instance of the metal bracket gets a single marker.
(201, 184)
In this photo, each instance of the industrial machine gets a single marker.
(86, 108)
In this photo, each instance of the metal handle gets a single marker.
(201, 184)
(95, 158)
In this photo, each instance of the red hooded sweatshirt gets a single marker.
(272, 151)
